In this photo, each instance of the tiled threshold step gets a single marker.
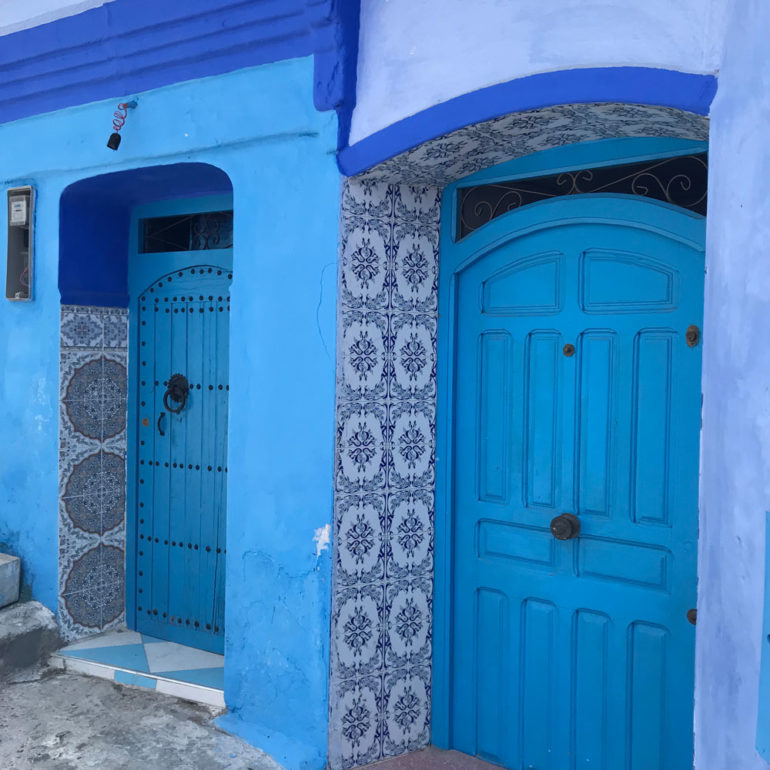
(127, 657)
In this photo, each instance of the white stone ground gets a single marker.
(53, 720)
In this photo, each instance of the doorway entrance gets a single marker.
(572, 404)
(180, 271)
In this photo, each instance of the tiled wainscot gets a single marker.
(92, 469)
(386, 389)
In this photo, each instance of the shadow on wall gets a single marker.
(94, 222)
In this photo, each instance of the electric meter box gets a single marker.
(18, 281)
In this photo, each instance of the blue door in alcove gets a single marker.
(180, 325)
(575, 391)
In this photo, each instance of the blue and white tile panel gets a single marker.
(128, 657)
(92, 469)
(385, 467)
(467, 150)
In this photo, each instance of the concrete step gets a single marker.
(10, 579)
(28, 635)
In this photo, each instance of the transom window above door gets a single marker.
(680, 180)
(186, 232)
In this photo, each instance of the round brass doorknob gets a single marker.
(565, 526)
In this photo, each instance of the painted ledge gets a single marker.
(630, 85)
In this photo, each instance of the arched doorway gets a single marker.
(390, 683)
(99, 458)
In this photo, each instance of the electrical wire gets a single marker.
(119, 117)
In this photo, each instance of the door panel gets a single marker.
(183, 328)
(579, 651)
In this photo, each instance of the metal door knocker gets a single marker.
(177, 390)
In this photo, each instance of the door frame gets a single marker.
(454, 256)
(136, 284)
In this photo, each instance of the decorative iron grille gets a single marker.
(188, 232)
(680, 181)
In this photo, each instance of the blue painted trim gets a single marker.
(336, 68)
(138, 281)
(630, 85)
(129, 46)
(674, 222)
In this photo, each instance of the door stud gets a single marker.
(692, 615)
(692, 335)
(569, 350)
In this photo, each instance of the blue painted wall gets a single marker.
(135, 45)
(278, 153)
(735, 483)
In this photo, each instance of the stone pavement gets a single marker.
(52, 720)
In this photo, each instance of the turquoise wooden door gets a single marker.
(575, 391)
(180, 409)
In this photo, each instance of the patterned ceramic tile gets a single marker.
(73, 543)
(360, 626)
(95, 492)
(364, 275)
(412, 427)
(407, 711)
(409, 540)
(93, 591)
(408, 629)
(412, 363)
(92, 469)
(116, 330)
(81, 327)
(381, 626)
(415, 270)
(360, 526)
(71, 361)
(470, 149)
(362, 447)
(356, 709)
(364, 355)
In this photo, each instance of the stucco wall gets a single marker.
(413, 54)
(278, 151)
(15, 15)
(735, 482)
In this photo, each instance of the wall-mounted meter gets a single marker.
(18, 281)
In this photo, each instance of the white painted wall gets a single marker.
(735, 470)
(416, 53)
(21, 14)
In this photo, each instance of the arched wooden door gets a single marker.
(573, 388)
(180, 321)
